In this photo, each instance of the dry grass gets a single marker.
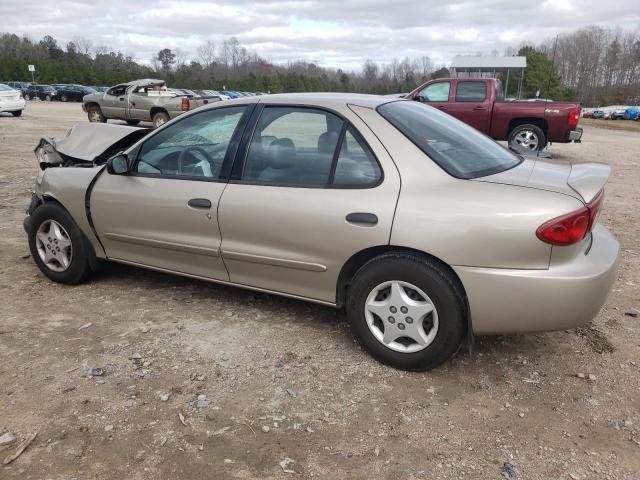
(627, 125)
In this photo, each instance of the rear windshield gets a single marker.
(459, 149)
(4, 87)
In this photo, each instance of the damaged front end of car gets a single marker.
(87, 145)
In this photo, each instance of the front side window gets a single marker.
(436, 92)
(459, 149)
(471, 92)
(117, 90)
(292, 146)
(193, 147)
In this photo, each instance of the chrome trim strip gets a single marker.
(225, 282)
(212, 252)
(278, 262)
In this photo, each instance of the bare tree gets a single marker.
(207, 53)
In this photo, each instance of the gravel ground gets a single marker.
(206, 381)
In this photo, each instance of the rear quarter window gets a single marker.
(457, 148)
(471, 92)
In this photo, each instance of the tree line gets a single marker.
(594, 66)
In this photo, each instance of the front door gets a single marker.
(113, 105)
(164, 213)
(437, 95)
(315, 189)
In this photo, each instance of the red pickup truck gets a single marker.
(479, 102)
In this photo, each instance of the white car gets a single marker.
(11, 100)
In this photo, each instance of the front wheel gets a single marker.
(63, 98)
(17, 113)
(407, 310)
(528, 136)
(95, 114)
(57, 245)
(47, 98)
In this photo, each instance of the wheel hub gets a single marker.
(401, 316)
(54, 246)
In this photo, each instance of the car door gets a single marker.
(436, 94)
(471, 104)
(163, 213)
(113, 102)
(310, 188)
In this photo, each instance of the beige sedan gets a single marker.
(424, 229)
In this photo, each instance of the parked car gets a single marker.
(299, 195)
(43, 92)
(11, 100)
(99, 89)
(598, 114)
(617, 114)
(21, 86)
(587, 114)
(140, 100)
(72, 93)
(632, 113)
(479, 102)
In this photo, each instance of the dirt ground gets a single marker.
(629, 125)
(280, 379)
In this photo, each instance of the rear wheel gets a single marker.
(95, 114)
(47, 98)
(160, 119)
(63, 98)
(57, 245)
(17, 113)
(407, 311)
(27, 96)
(528, 136)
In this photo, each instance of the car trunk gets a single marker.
(579, 180)
(9, 95)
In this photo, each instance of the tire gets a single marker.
(528, 136)
(159, 119)
(79, 266)
(27, 97)
(47, 98)
(437, 286)
(17, 113)
(63, 98)
(133, 123)
(94, 113)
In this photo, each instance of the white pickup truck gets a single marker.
(145, 100)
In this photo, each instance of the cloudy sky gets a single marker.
(334, 33)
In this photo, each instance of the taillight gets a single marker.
(185, 104)
(572, 227)
(574, 116)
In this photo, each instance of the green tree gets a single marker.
(539, 76)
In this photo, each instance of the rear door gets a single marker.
(472, 104)
(313, 188)
(163, 214)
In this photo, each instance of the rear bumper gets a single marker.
(12, 106)
(562, 297)
(575, 135)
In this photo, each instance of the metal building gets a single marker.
(489, 67)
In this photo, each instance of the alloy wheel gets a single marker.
(54, 246)
(401, 316)
(527, 139)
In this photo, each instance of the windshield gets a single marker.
(457, 148)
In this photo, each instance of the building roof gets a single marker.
(489, 62)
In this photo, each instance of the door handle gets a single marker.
(479, 107)
(368, 218)
(442, 107)
(199, 203)
(121, 99)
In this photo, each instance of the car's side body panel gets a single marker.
(147, 221)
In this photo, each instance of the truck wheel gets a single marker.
(17, 113)
(95, 114)
(160, 119)
(528, 136)
(133, 122)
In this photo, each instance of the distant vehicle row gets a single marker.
(631, 113)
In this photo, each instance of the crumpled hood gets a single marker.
(90, 143)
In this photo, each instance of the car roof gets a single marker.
(320, 99)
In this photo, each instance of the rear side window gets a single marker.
(457, 148)
(471, 92)
(308, 147)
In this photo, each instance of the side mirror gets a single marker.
(418, 98)
(118, 165)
